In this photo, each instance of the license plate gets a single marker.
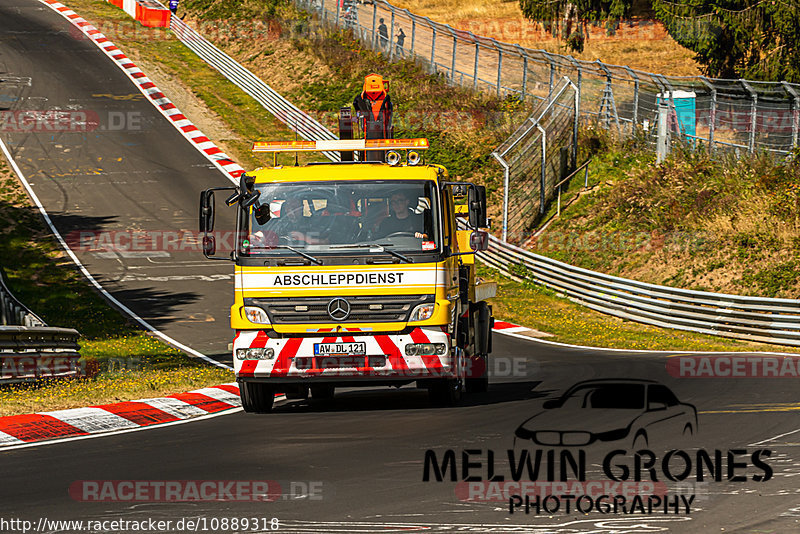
(340, 349)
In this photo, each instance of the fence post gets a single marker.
(499, 65)
(552, 70)
(391, 36)
(475, 69)
(712, 111)
(608, 98)
(751, 143)
(580, 78)
(524, 55)
(575, 124)
(374, 22)
(795, 112)
(433, 46)
(338, 9)
(413, 29)
(635, 118)
(506, 180)
(543, 183)
(453, 62)
(665, 106)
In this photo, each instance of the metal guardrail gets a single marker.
(286, 112)
(12, 311)
(32, 353)
(768, 320)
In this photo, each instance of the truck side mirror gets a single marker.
(476, 200)
(460, 190)
(248, 199)
(209, 245)
(262, 214)
(479, 240)
(207, 211)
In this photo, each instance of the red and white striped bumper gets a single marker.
(386, 356)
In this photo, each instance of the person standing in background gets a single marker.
(383, 32)
(401, 39)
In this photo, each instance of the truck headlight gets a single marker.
(255, 314)
(265, 353)
(426, 349)
(423, 312)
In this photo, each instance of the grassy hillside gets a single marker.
(721, 223)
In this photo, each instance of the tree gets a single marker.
(571, 17)
(756, 39)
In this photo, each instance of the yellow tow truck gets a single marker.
(355, 273)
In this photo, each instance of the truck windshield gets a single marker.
(344, 217)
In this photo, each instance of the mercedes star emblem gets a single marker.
(339, 309)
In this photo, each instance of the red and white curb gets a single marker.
(207, 147)
(503, 327)
(17, 430)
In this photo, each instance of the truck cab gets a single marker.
(356, 274)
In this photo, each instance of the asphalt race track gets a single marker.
(132, 171)
(355, 464)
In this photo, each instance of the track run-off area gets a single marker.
(370, 460)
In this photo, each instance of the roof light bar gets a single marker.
(344, 144)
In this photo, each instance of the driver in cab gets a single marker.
(402, 219)
(290, 227)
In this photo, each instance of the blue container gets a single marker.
(684, 120)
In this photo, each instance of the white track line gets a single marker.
(762, 442)
(644, 351)
(91, 278)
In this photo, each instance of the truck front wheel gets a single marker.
(256, 398)
(478, 381)
(322, 392)
(445, 391)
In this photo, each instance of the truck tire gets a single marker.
(256, 398)
(322, 392)
(297, 393)
(445, 391)
(478, 384)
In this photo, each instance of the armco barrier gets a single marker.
(31, 353)
(12, 311)
(742, 317)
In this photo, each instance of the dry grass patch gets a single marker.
(643, 44)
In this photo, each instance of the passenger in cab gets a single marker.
(402, 219)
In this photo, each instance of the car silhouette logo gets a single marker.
(641, 412)
(339, 309)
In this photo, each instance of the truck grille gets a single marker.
(363, 309)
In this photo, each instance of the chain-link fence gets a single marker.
(537, 156)
(734, 114)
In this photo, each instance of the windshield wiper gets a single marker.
(381, 248)
(300, 252)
